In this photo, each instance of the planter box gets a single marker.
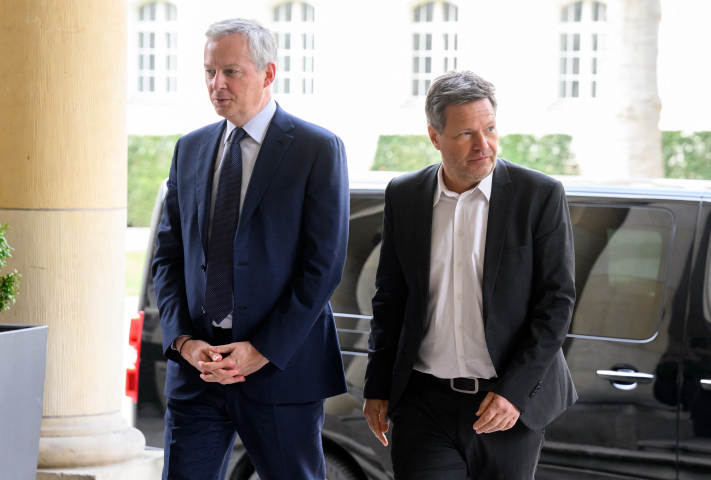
(23, 358)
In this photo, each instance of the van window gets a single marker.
(620, 270)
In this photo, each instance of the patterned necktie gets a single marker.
(219, 284)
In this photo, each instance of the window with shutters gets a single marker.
(157, 52)
(293, 28)
(582, 43)
(434, 43)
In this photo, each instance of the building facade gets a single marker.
(362, 69)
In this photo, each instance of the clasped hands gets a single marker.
(495, 414)
(223, 364)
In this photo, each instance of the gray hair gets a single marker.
(262, 44)
(455, 88)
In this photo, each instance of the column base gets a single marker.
(87, 441)
(148, 466)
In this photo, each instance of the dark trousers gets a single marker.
(283, 440)
(433, 438)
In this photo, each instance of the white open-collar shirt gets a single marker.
(454, 344)
(256, 130)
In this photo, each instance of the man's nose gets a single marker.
(218, 83)
(479, 142)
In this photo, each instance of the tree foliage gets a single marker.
(10, 282)
(406, 153)
(149, 159)
(687, 156)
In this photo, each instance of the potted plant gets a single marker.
(9, 282)
(23, 354)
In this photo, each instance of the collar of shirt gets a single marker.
(484, 186)
(257, 127)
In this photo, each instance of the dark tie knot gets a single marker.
(237, 135)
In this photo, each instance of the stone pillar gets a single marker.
(63, 192)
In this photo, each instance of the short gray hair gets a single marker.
(262, 44)
(455, 88)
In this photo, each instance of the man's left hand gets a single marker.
(238, 359)
(495, 414)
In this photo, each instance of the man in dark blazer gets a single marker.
(475, 291)
(251, 245)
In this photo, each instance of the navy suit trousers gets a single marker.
(283, 440)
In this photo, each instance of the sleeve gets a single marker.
(552, 301)
(325, 236)
(389, 305)
(168, 269)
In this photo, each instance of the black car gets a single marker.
(639, 346)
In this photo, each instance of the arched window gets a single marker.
(294, 32)
(157, 47)
(434, 43)
(582, 43)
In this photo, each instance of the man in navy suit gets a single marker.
(251, 245)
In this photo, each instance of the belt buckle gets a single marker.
(476, 389)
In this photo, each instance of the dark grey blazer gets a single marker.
(528, 289)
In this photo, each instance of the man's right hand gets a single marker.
(376, 412)
(195, 351)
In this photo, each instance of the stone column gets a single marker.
(63, 192)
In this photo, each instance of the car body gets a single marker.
(639, 346)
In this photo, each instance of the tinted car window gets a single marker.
(621, 257)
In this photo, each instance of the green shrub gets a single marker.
(407, 153)
(687, 156)
(548, 154)
(404, 153)
(149, 160)
(9, 282)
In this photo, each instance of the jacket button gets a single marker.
(203, 267)
(241, 308)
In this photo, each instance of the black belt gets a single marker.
(461, 385)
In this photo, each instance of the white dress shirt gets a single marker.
(454, 344)
(256, 130)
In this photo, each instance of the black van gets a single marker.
(639, 346)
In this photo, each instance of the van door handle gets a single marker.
(621, 376)
(706, 384)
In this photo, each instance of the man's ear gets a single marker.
(434, 136)
(270, 74)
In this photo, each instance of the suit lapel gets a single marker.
(204, 174)
(499, 212)
(275, 143)
(423, 235)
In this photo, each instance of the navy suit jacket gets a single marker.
(289, 253)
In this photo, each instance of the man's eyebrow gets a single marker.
(231, 65)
